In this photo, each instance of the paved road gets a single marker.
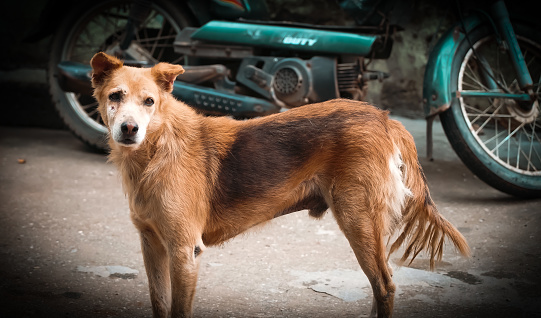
(68, 248)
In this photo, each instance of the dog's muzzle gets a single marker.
(129, 129)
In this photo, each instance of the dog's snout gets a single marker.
(129, 127)
(128, 133)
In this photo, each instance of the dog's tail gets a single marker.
(423, 227)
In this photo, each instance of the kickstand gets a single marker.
(429, 140)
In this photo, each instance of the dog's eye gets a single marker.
(149, 101)
(114, 97)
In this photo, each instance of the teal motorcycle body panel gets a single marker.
(286, 38)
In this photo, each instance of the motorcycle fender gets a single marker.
(437, 95)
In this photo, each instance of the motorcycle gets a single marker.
(482, 77)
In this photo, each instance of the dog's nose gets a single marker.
(129, 128)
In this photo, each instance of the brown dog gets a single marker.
(194, 181)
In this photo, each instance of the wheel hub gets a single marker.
(518, 114)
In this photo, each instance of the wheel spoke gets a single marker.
(177, 61)
(530, 62)
(472, 75)
(137, 39)
(157, 38)
(496, 135)
(108, 14)
(85, 107)
(519, 150)
(537, 137)
(532, 149)
(483, 113)
(163, 47)
(156, 41)
(114, 23)
(92, 113)
(530, 164)
(467, 106)
(500, 73)
(538, 156)
(531, 142)
(487, 121)
(507, 138)
(491, 115)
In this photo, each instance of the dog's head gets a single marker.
(129, 97)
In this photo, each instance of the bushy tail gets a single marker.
(426, 229)
(423, 228)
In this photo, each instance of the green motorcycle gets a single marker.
(482, 77)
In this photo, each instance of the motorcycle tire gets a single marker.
(497, 143)
(93, 27)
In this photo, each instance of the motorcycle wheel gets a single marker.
(493, 137)
(92, 28)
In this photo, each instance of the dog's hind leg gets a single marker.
(365, 232)
(157, 268)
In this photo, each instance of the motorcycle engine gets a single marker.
(290, 82)
(288, 85)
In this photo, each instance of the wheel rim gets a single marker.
(504, 132)
(102, 30)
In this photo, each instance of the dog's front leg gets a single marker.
(157, 268)
(184, 265)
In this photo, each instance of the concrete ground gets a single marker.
(68, 248)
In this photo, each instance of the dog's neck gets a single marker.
(171, 135)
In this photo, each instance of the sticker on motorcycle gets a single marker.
(298, 41)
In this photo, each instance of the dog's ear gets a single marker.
(102, 64)
(165, 75)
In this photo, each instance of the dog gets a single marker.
(194, 181)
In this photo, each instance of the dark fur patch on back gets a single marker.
(264, 156)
